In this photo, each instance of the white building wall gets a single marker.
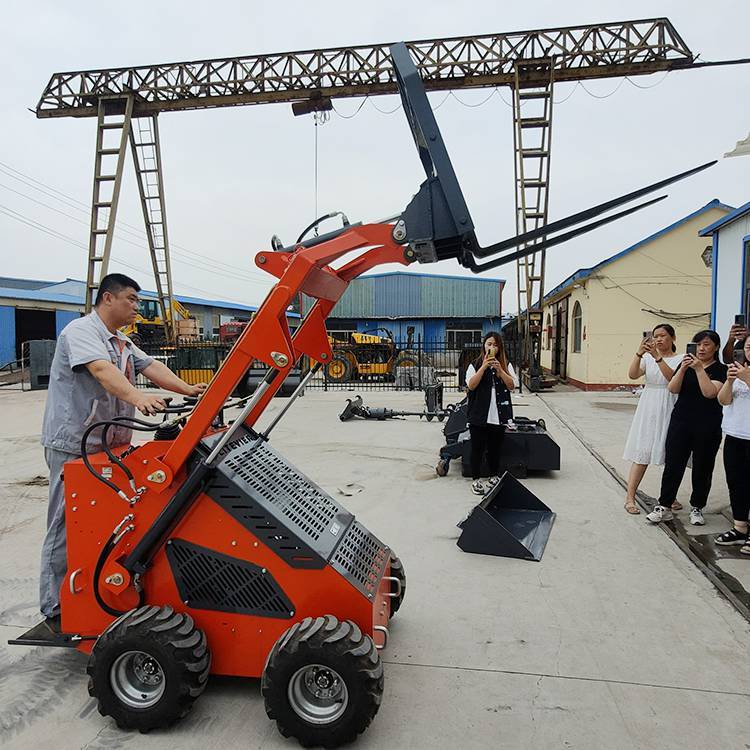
(727, 274)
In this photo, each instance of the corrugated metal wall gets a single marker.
(62, 318)
(7, 334)
(403, 295)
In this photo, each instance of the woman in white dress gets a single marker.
(656, 359)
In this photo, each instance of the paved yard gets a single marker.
(614, 640)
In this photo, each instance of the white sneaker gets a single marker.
(660, 513)
(477, 487)
(696, 517)
(492, 481)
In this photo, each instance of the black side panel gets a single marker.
(290, 514)
(277, 502)
(209, 580)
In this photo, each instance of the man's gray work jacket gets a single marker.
(75, 398)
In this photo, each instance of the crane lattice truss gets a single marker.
(528, 62)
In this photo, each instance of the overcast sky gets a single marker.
(236, 176)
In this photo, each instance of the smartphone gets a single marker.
(739, 320)
(738, 356)
(692, 349)
(492, 351)
(647, 335)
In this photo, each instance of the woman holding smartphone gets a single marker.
(490, 380)
(694, 428)
(656, 359)
(734, 396)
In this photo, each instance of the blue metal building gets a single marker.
(457, 310)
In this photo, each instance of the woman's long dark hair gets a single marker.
(501, 356)
(668, 328)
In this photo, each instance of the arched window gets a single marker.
(577, 327)
(548, 330)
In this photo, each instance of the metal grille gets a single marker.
(361, 558)
(265, 526)
(209, 580)
(303, 504)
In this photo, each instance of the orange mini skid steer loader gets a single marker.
(203, 551)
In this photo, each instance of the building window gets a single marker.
(577, 327)
(460, 338)
(548, 331)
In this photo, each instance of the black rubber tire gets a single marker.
(178, 646)
(136, 339)
(409, 359)
(442, 468)
(339, 359)
(340, 646)
(397, 571)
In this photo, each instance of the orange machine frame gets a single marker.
(239, 643)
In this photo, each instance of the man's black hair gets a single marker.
(114, 283)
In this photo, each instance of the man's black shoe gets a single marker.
(48, 630)
(53, 625)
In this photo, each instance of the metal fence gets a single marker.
(397, 365)
(194, 361)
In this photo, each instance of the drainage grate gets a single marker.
(361, 558)
(209, 580)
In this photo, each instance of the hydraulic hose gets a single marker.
(84, 450)
(102, 559)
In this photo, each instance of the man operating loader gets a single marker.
(92, 379)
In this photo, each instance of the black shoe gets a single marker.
(731, 537)
(53, 625)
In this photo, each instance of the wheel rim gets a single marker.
(318, 694)
(336, 369)
(137, 679)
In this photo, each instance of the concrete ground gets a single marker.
(614, 640)
(602, 420)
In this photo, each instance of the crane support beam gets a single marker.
(623, 48)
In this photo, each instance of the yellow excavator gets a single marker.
(369, 356)
(148, 327)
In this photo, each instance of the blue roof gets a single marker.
(429, 276)
(583, 273)
(11, 282)
(48, 294)
(40, 295)
(737, 213)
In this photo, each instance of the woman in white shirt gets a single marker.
(734, 396)
(656, 359)
(490, 380)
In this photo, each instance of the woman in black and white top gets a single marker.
(694, 428)
(734, 396)
(490, 380)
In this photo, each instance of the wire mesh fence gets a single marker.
(367, 363)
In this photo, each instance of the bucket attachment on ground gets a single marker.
(509, 522)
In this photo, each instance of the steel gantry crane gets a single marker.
(127, 102)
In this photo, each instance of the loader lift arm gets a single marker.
(436, 225)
